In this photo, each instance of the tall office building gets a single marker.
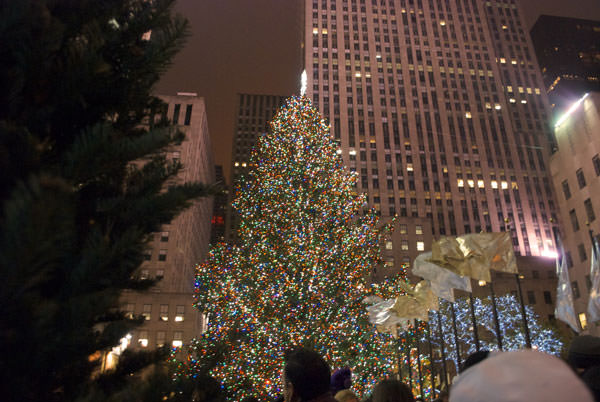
(170, 316)
(568, 51)
(252, 116)
(439, 106)
(575, 168)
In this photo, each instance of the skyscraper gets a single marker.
(170, 318)
(252, 116)
(568, 50)
(439, 107)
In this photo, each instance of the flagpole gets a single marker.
(432, 357)
(495, 314)
(474, 322)
(520, 294)
(456, 343)
(442, 350)
(417, 341)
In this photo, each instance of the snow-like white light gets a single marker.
(570, 111)
(550, 254)
(303, 83)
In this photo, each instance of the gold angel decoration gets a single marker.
(473, 255)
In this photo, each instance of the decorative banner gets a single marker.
(473, 255)
(417, 301)
(442, 280)
(594, 300)
(564, 294)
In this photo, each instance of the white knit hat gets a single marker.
(520, 376)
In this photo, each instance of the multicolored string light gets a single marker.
(299, 272)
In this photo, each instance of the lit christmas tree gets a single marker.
(543, 337)
(300, 272)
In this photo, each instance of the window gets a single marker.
(388, 245)
(176, 113)
(160, 338)
(547, 297)
(582, 320)
(574, 221)
(420, 246)
(566, 190)
(162, 255)
(589, 210)
(164, 236)
(160, 273)
(582, 253)
(177, 339)
(164, 312)
(129, 310)
(531, 296)
(419, 229)
(147, 311)
(188, 115)
(588, 282)
(147, 255)
(596, 162)
(179, 313)
(580, 178)
(143, 339)
(403, 229)
(404, 245)
(575, 287)
(144, 274)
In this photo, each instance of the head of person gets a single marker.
(584, 352)
(520, 376)
(346, 395)
(389, 390)
(306, 375)
(341, 379)
(474, 358)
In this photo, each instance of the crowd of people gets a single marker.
(515, 376)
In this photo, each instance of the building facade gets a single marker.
(440, 107)
(170, 318)
(568, 51)
(252, 116)
(575, 168)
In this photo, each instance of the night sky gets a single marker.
(253, 46)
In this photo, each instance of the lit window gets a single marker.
(582, 320)
(160, 338)
(513, 62)
(143, 339)
(179, 313)
(177, 339)
(488, 105)
(144, 274)
(529, 90)
(388, 245)
(409, 167)
(471, 183)
(468, 115)
(509, 88)
(236, 164)
(504, 185)
(494, 184)
(523, 101)
(404, 245)
(352, 152)
(315, 31)
(147, 311)
(357, 74)
(497, 107)
(461, 183)
(402, 228)
(521, 90)
(504, 27)
(129, 310)
(244, 164)
(443, 23)
(502, 60)
(512, 100)
(420, 246)
(419, 229)
(537, 91)
(324, 31)
(480, 184)
(164, 312)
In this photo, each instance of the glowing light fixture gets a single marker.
(570, 111)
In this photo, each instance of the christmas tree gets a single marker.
(300, 271)
(83, 186)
